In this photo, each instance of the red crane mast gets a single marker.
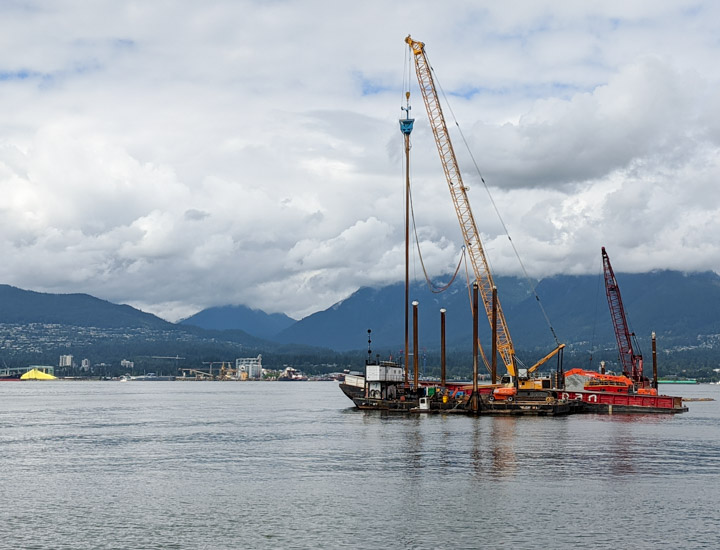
(630, 359)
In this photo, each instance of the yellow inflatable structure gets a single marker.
(35, 374)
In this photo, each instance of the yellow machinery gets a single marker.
(458, 192)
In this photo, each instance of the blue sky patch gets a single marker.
(370, 87)
(22, 74)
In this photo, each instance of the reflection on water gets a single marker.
(264, 465)
(501, 443)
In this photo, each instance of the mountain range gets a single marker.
(682, 308)
(254, 321)
(19, 306)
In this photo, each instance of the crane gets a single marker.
(630, 357)
(458, 192)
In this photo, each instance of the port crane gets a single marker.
(630, 356)
(458, 192)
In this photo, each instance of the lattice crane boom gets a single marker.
(460, 200)
(630, 358)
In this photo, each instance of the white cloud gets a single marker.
(178, 156)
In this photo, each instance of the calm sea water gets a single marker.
(212, 465)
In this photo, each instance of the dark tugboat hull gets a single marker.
(352, 392)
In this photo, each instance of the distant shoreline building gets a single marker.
(251, 366)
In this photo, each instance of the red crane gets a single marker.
(630, 357)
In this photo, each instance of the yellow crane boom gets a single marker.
(459, 196)
(545, 359)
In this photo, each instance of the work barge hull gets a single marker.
(609, 402)
(550, 402)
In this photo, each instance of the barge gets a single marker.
(386, 386)
(612, 402)
(382, 388)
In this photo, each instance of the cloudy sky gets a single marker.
(180, 155)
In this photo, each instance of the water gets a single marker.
(212, 465)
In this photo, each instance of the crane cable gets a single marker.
(497, 212)
(433, 287)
